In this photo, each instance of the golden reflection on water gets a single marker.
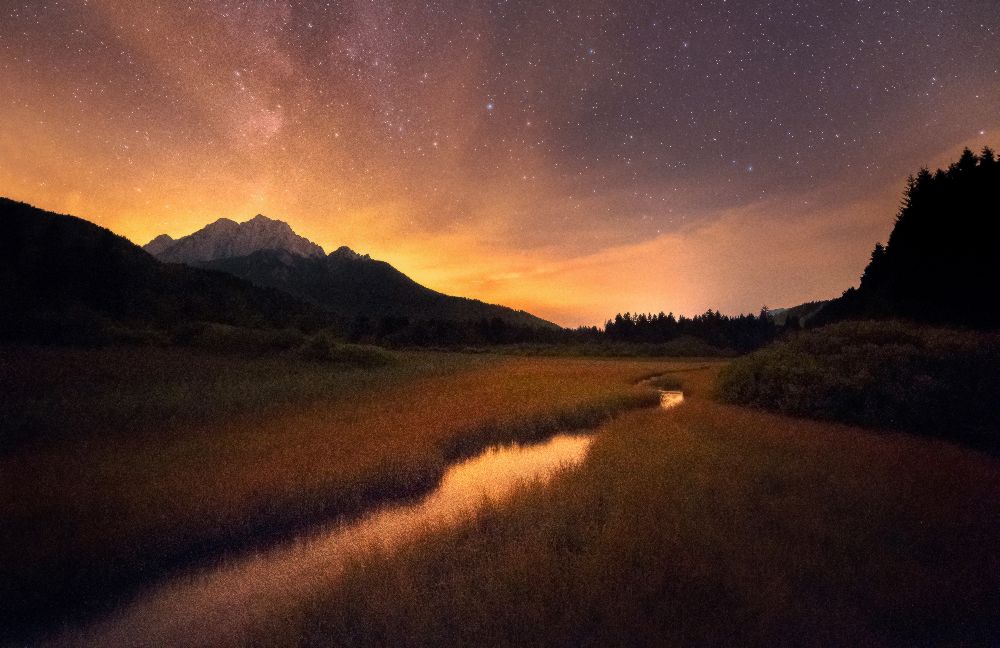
(671, 399)
(223, 605)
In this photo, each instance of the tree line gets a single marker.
(941, 263)
(738, 333)
(724, 332)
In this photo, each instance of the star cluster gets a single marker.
(574, 158)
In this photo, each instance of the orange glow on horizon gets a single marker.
(477, 169)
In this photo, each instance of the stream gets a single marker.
(231, 602)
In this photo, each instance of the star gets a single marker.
(387, 114)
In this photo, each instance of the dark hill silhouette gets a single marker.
(350, 285)
(61, 277)
(797, 316)
(346, 284)
(942, 260)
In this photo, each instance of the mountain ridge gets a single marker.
(268, 253)
(799, 314)
(352, 285)
(61, 276)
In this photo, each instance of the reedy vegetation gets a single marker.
(704, 525)
(135, 461)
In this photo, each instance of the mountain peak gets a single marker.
(344, 252)
(159, 244)
(262, 222)
(225, 238)
(261, 218)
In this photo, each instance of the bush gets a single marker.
(880, 374)
(321, 347)
(237, 340)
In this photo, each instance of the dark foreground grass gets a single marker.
(892, 375)
(708, 525)
(53, 394)
(133, 462)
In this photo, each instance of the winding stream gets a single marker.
(670, 398)
(221, 605)
(231, 602)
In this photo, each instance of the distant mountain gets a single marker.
(61, 276)
(159, 244)
(226, 238)
(344, 283)
(800, 314)
(351, 285)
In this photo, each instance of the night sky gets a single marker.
(571, 158)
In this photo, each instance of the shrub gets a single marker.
(238, 340)
(321, 347)
(881, 374)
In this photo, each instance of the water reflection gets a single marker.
(224, 605)
(670, 399)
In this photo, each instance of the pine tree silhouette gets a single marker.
(942, 260)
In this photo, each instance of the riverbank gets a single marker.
(235, 603)
(233, 454)
(710, 525)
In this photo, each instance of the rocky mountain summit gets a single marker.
(225, 239)
(344, 252)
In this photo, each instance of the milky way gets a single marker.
(571, 158)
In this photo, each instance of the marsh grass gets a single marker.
(222, 338)
(123, 464)
(706, 525)
(53, 393)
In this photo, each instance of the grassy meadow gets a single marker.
(119, 464)
(710, 524)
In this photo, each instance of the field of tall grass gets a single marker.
(121, 464)
(710, 524)
(893, 375)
